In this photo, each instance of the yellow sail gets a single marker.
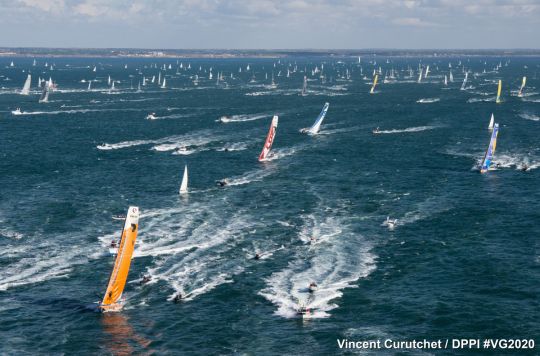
(522, 86)
(499, 92)
(374, 84)
(111, 300)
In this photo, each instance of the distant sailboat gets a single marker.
(269, 139)
(184, 185)
(464, 81)
(420, 76)
(164, 85)
(491, 122)
(520, 94)
(139, 87)
(44, 98)
(427, 72)
(26, 88)
(314, 129)
(451, 77)
(445, 80)
(488, 157)
(498, 100)
(112, 301)
(95, 69)
(372, 91)
(159, 78)
(89, 85)
(109, 81)
(304, 87)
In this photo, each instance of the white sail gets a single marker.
(451, 77)
(314, 129)
(164, 85)
(184, 185)
(491, 122)
(420, 76)
(44, 98)
(464, 81)
(159, 78)
(427, 72)
(26, 88)
(89, 85)
(520, 94)
(445, 80)
(304, 87)
(109, 81)
(139, 87)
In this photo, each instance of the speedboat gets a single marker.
(376, 131)
(224, 119)
(390, 223)
(119, 217)
(17, 111)
(151, 116)
(312, 287)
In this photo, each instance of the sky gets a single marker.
(271, 24)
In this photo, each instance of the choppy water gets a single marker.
(463, 260)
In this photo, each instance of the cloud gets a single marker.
(412, 21)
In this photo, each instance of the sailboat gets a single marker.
(269, 139)
(184, 185)
(520, 94)
(109, 81)
(112, 301)
(445, 80)
(89, 85)
(451, 77)
(139, 87)
(26, 88)
(464, 81)
(498, 100)
(164, 85)
(427, 72)
(44, 98)
(488, 157)
(491, 122)
(314, 129)
(372, 91)
(420, 76)
(304, 87)
(159, 78)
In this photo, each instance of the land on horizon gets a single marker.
(239, 53)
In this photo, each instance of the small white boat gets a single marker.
(151, 116)
(390, 223)
(17, 111)
(312, 287)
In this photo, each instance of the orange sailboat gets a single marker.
(112, 301)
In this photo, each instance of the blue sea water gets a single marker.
(462, 261)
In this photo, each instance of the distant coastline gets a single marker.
(253, 53)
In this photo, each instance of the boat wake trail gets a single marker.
(337, 260)
(531, 117)
(244, 118)
(428, 100)
(410, 129)
(196, 255)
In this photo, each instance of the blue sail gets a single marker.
(317, 124)
(491, 150)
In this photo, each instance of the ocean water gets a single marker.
(462, 261)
